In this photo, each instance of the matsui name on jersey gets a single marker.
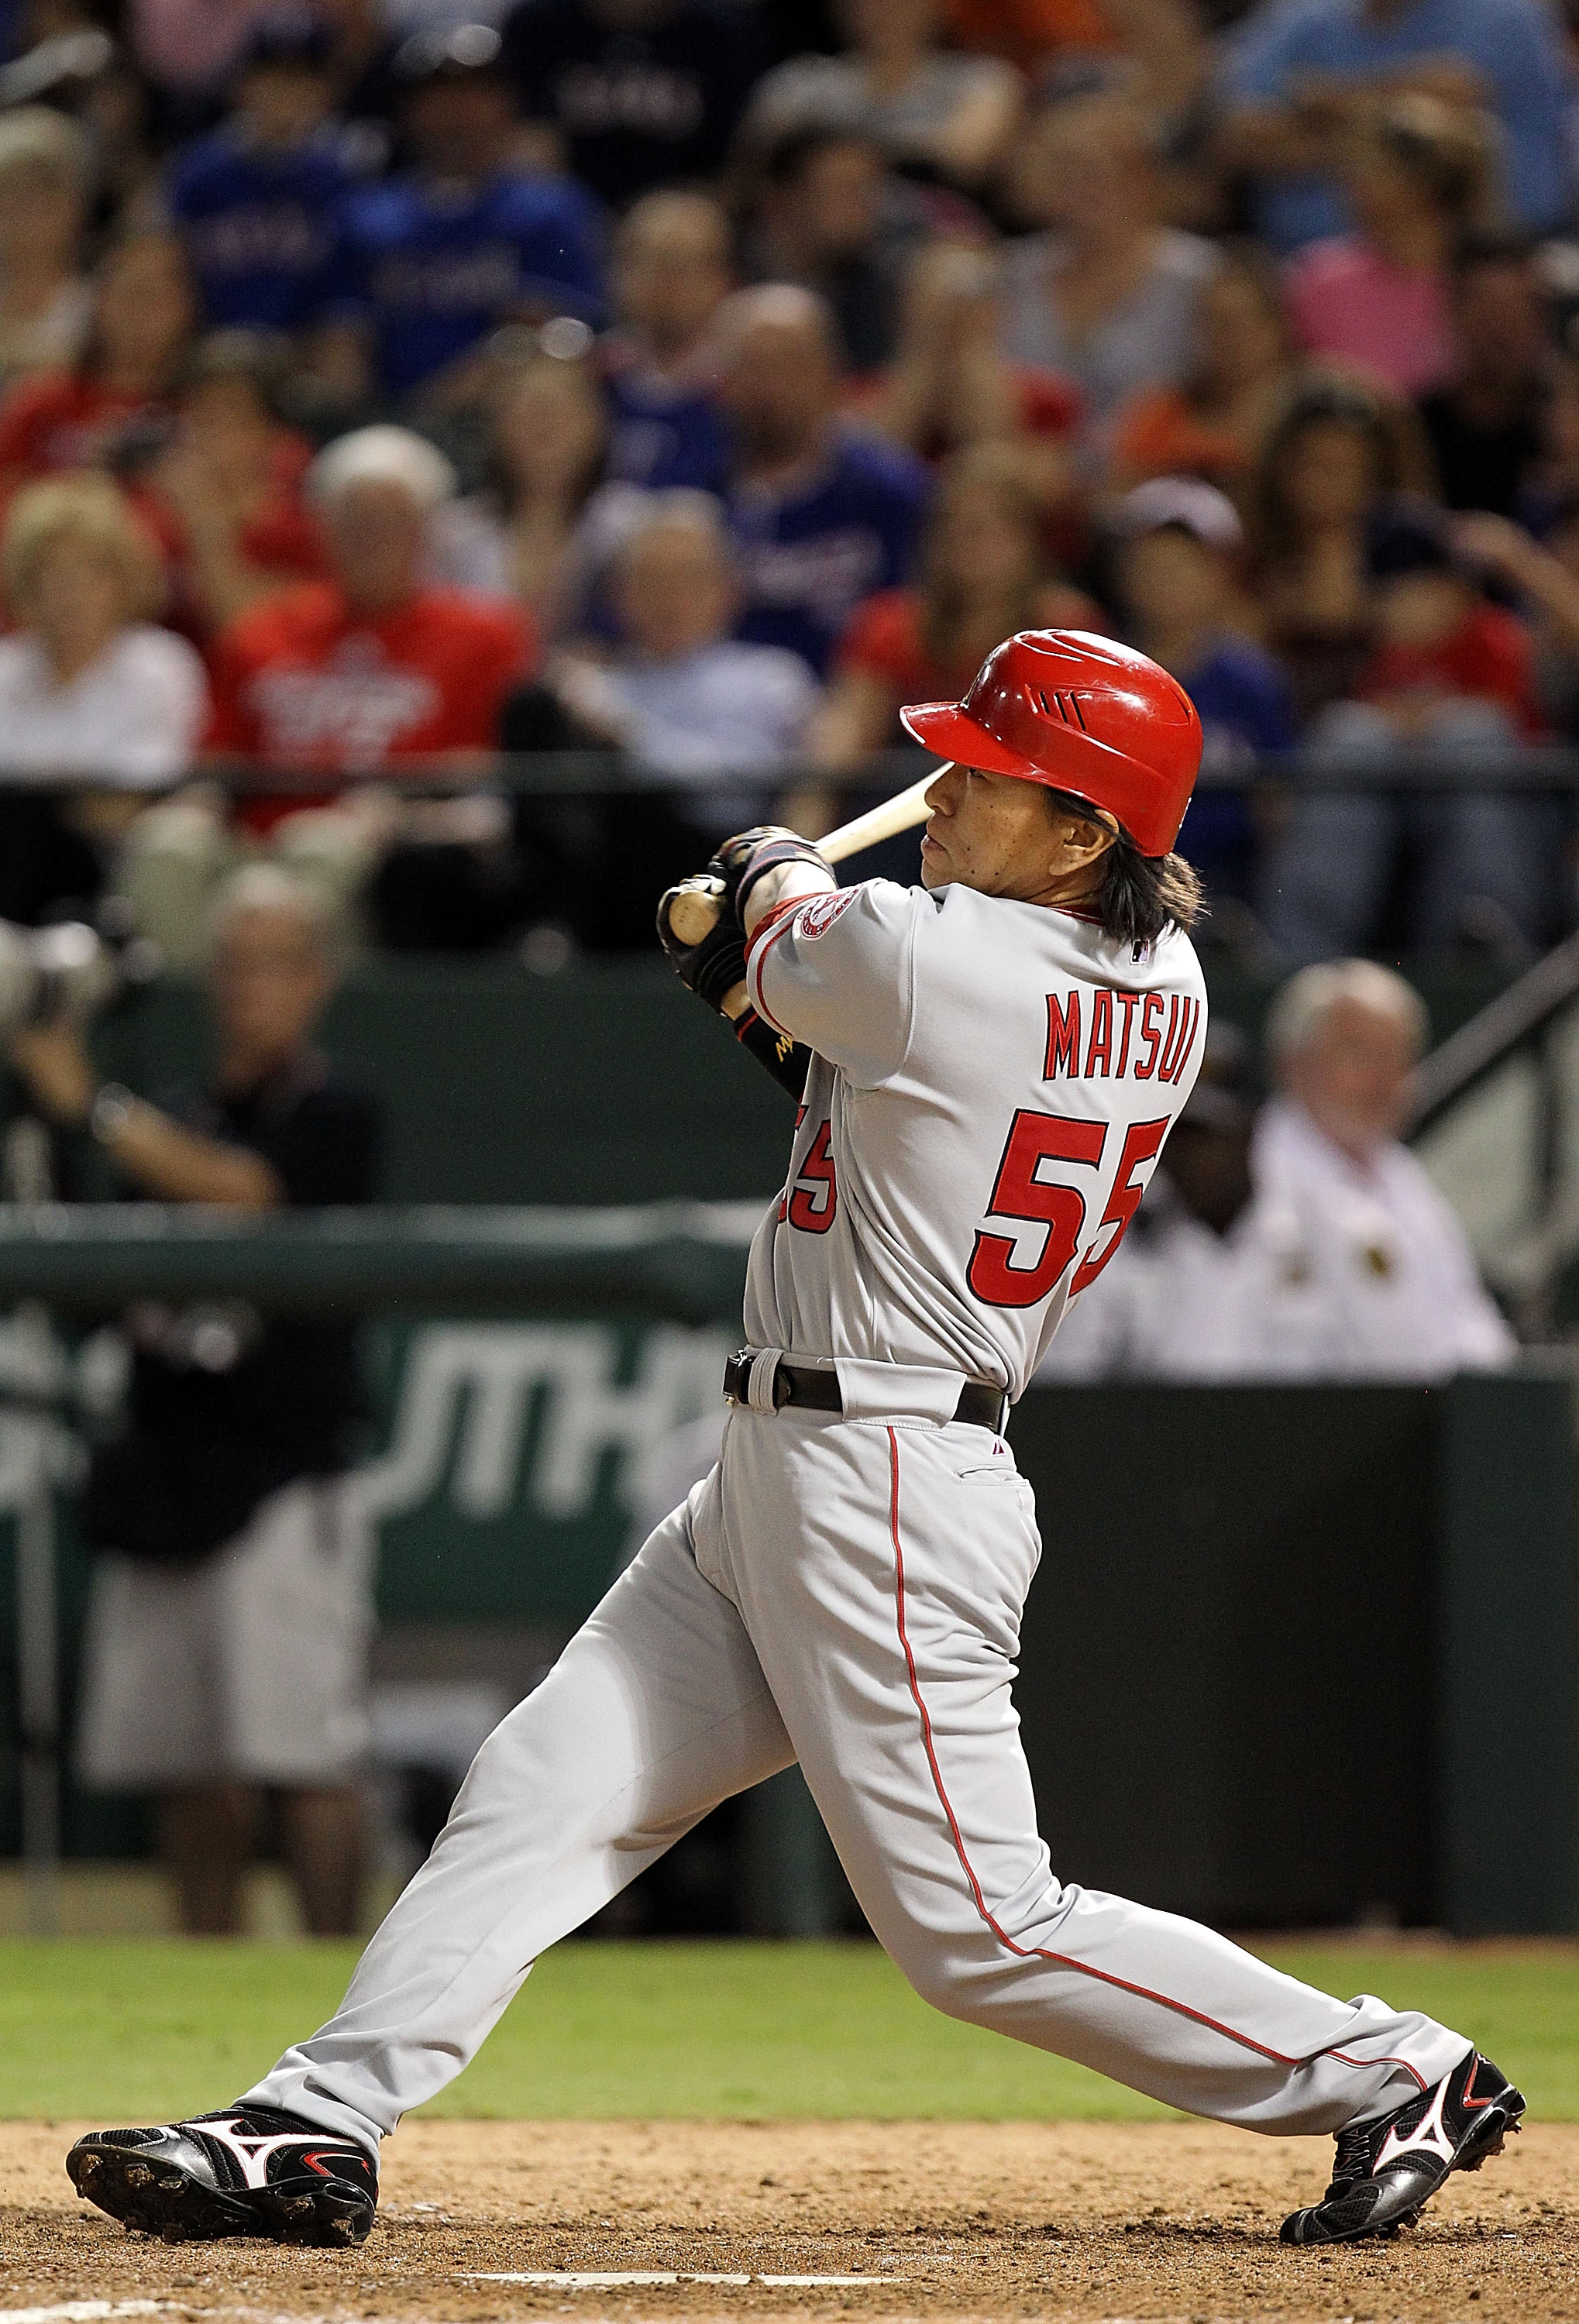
(1146, 1035)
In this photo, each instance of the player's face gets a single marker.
(1005, 838)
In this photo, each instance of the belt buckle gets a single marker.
(751, 1378)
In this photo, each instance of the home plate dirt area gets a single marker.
(1078, 2220)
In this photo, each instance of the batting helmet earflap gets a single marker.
(1081, 713)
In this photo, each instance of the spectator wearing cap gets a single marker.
(1179, 545)
(821, 518)
(1298, 1239)
(640, 93)
(672, 269)
(926, 107)
(434, 260)
(255, 201)
(1414, 171)
(1451, 677)
(46, 178)
(1485, 422)
(1298, 71)
(340, 678)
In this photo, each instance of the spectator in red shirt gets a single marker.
(985, 573)
(113, 410)
(1451, 677)
(348, 676)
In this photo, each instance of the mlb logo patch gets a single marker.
(816, 918)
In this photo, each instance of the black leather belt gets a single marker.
(980, 1404)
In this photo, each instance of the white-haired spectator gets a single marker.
(46, 178)
(1387, 1259)
(373, 664)
(232, 1596)
(89, 684)
(1305, 1242)
(343, 677)
(688, 701)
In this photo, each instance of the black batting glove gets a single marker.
(763, 851)
(714, 967)
(729, 863)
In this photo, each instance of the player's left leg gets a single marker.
(656, 1711)
(905, 1553)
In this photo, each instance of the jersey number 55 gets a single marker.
(996, 1274)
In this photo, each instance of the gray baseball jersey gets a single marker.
(991, 1085)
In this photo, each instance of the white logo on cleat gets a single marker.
(1429, 2133)
(253, 2153)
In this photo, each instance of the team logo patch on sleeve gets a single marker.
(816, 918)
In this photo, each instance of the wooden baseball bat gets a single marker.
(696, 908)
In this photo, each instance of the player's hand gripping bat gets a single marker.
(696, 903)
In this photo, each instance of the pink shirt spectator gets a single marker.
(1349, 305)
(192, 43)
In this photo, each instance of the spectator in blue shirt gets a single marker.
(256, 201)
(821, 518)
(671, 271)
(1179, 545)
(1297, 68)
(434, 261)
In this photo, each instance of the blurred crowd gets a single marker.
(386, 386)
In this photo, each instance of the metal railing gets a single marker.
(1536, 768)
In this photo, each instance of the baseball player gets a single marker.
(991, 1063)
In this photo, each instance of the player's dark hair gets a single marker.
(1141, 895)
(1138, 895)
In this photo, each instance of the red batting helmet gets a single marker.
(1083, 714)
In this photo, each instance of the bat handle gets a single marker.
(694, 913)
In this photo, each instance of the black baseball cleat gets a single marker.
(1387, 2168)
(245, 2170)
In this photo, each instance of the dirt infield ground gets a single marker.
(1063, 2221)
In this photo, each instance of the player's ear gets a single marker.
(1088, 837)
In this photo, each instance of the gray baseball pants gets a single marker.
(847, 1593)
